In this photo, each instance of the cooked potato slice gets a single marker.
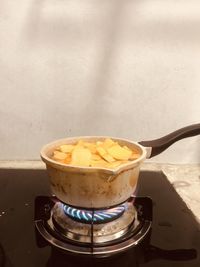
(99, 143)
(127, 148)
(108, 143)
(80, 143)
(106, 154)
(91, 147)
(55, 152)
(108, 158)
(119, 152)
(95, 157)
(68, 158)
(101, 151)
(81, 156)
(134, 156)
(66, 148)
(99, 163)
(59, 155)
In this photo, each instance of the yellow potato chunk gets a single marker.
(100, 154)
(99, 143)
(108, 143)
(59, 155)
(119, 152)
(91, 147)
(95, 157)
(55, 152)
(99, 163)
(127, 148)
(101, 151)
(108, 158)
(81, 156)
(66, 148)
(134, 156)
(68, 159)
(80, 143)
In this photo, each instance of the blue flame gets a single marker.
(87, 216)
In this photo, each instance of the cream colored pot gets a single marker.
(91, 187)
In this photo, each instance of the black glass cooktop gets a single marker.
(174, 239)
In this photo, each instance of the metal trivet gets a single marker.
(51, 227)
(100, 233)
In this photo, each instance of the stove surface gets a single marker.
(174, 226)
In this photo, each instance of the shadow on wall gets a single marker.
(65, 26)
(59, 21)
(62, 22)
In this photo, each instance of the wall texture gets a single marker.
(98, 67)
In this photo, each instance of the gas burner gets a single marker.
(83, 232)
(95, 216)
(59, 226)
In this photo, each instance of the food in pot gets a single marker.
(106, 154)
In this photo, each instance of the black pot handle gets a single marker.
(159, 145)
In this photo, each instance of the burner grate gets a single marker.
(96, 216)
(106, 239)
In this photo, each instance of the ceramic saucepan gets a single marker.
(91, 187)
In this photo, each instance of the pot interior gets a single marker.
(47, 150)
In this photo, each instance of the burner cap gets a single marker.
(96, 216)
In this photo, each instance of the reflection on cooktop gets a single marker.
(174, 240)
(140, 255)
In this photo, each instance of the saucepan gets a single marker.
(96, 187)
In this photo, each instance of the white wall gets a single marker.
(98, 67)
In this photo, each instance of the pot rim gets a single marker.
(71, 140)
